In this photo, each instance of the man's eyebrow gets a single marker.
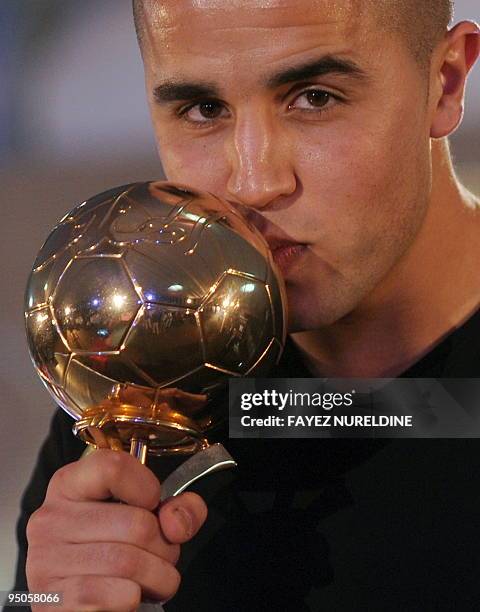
(172, 91)
(328, 64)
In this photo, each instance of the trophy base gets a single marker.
(124, 426)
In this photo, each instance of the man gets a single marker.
(328, 121)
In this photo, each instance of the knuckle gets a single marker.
(174, 580)
(143, 526)
(36, 568)
(59, 477)
(124, 560)
(31, 572)
(32, 530)
(82, 592)
(89, 593)
(113, 463)
(155, 492)
(132, 597)
(38, 523)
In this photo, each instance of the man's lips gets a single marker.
(285, 252)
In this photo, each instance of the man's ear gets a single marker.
(455, 57)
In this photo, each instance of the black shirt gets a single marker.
(325, 524)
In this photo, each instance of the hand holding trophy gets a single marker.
(141, 304)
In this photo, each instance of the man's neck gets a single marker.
(430, 292)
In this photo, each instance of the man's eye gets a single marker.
(313, 99)
(204, 112)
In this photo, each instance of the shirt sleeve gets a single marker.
(59, 448)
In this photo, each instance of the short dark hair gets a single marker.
(138, 19)
(421, 22)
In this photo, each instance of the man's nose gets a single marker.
(261, 169)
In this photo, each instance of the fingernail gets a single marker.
(185, 520)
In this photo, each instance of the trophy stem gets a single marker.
(139, 449)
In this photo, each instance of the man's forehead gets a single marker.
(265, 30)
(185, 14)
(260, 4)
(170, 7)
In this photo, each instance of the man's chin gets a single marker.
(302, 316)
(307, 321)
(306, 311)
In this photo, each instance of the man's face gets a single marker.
(312, 117)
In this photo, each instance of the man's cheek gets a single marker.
(353, 208)
(186, 160)
(349, 162)
(344, 187)
(179, 166)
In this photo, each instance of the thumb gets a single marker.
(182, 516)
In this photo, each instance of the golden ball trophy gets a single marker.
(142, 303)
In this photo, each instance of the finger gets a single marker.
(101, 522)
(106, 593)
(157, 578)
(182, 516)
(103, 474)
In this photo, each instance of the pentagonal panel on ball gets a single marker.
(164, 343)
(236, 323)
(64, 400)
(115, 366)
(237, 247)
(76, 231)
(47, 349)
(43, 280)
(38, 286)
(204, 380)
(165, 275)
(94, 304)
(86, 387)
